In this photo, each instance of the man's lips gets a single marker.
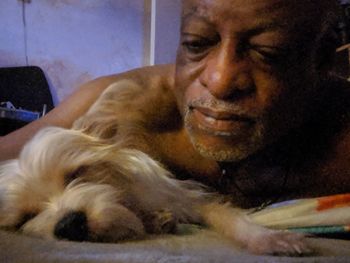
(223, 115)
(221, 121)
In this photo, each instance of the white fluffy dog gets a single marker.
(76, 184)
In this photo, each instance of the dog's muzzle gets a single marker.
(72, 226)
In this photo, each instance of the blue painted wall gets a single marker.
(75, 41)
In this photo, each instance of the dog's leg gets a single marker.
(160, 222)
(117, 224)
(234, 224)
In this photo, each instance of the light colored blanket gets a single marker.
(328, 215)
(193, 244)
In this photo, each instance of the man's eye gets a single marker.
(197, 46)
(270, 55)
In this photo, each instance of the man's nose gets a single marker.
(227, 74)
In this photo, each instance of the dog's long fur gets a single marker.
(118, 192)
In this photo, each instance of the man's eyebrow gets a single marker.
(260, 27)
(187, 14)
(197, 13)
(196, 16)
(263, 27)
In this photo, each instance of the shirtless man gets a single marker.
(249, 107)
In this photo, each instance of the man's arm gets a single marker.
(74, 106)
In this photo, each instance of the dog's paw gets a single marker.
(160, 222)
(275, 242)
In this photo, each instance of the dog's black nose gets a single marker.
(73, 226)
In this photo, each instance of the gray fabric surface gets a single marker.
(200, 246)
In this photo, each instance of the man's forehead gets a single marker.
(203, 7)
(249, 2)
(288, 13)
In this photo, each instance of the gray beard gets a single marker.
(234, 154)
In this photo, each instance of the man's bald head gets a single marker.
(325, 12)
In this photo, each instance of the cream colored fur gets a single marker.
(124, 193)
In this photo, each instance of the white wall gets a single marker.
(11, 33)
(167, 30)
(74, 41)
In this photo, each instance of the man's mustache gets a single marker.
(221, 106)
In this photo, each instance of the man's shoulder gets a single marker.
(150, 76)
(144, 96)
(146, 76)
(143, 88)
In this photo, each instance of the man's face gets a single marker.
(245, 73)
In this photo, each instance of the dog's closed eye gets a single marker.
(24, 219)
(71, 176)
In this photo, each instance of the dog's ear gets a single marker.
(9, 172)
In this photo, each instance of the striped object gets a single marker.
(319, 216)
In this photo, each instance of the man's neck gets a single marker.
(287, 168)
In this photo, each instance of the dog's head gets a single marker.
(63, 186)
